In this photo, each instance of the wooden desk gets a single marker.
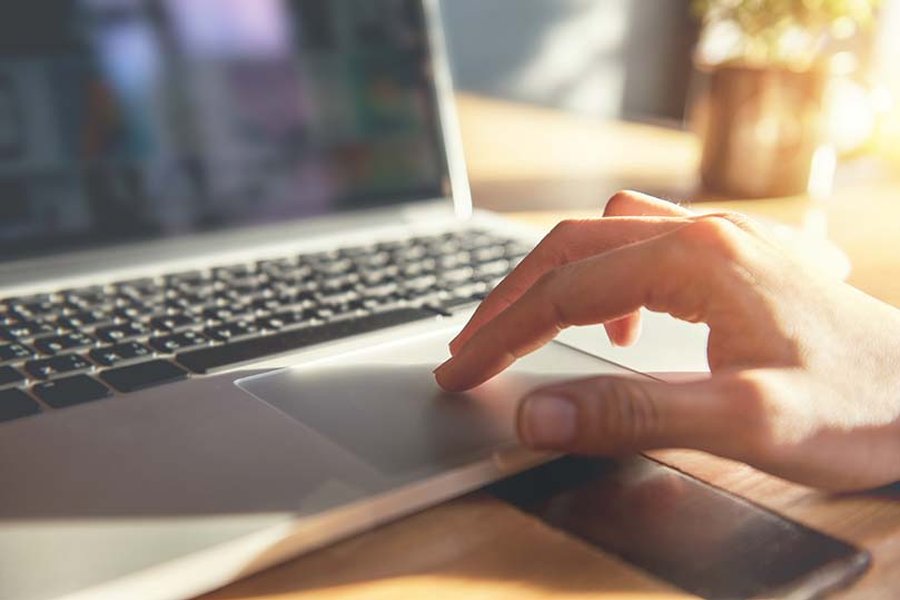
(543, 166)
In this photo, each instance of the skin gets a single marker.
(805, 377)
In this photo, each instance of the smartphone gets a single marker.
(697, 537)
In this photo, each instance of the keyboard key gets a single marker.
(10, 375)
(57, 365)
(489, 254)
(35, 308)
(497, 268)
(134, 311)
(86, 297)
(10, 318)
(285, 319)
(232, 272)
(55, 344)
(109, 356)
(230, 331)
(221, 314)
(214, 357)
(83, 319)
(170, 344)
(140, 288)
(36, 299)
(186, 278)
(457, 276)
(117, 333)
(70, 391)
(172, 322)
(24, 330)
(14, 352)
(15, 403)
(143, 375)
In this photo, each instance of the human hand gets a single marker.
(805, 369)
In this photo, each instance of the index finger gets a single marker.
(593, 290)
(575, 240)
(570, 241)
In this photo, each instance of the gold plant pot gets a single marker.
(760, 128)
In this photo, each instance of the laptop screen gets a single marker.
(130, 120)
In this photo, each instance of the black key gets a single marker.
(187, 302)
(170, 344)
(87, 296)
(109, 356)
(232, 272)
(11, 318)
(497, 268)
(37, 308)
(15, 404)
(71, 391)
(448, 306)
(172, 322)
(55, 344)
(220, 314)
(10, 375)
(460, 275)
(134, 311)
(489, 254)
(230, 331)
(140, 288)
(23, 330)
(284, 319)
(117, 333)
(57, 365)
(143, 375)
(83, 319)
(36, 299)
(186, 278)
(207, 359)
(13, 352)
(356, 251)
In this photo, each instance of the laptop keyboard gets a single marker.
(68, 347)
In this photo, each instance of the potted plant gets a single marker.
(766, 66)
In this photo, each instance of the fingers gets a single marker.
(627, 330)
(636, 204)
(612, 415)
(703, 265)
(570, 241)
(678, 273)
(624, 331)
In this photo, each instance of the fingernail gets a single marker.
(442, 365)
(549, 421)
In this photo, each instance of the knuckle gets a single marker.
(548, 289)
(619, 203)
(713, 235)
(740, 220)
(564, 229)
(768, 423)
(555, 245)
(622, 416)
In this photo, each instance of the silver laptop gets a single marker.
(235, 238)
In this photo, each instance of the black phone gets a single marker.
(697, 537)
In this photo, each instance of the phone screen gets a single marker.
(700, 538)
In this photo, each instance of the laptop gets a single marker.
(235, 238)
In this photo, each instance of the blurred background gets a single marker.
(795, 88)
(611, 58)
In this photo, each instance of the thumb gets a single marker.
(612, 415)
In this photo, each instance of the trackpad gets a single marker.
(383, 406)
